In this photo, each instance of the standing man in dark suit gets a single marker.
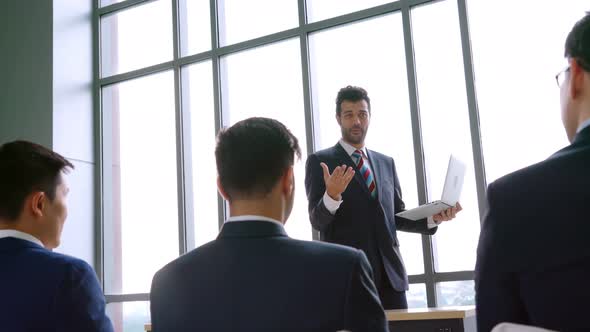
(533, 257)
(41, 290)
(253, 277)
(361, 213)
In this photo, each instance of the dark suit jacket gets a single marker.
(45, 291)
(361, 221)
(255, 278)
(533, 260)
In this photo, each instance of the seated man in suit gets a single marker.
(41, 290)
(533, 262)
(253, 277)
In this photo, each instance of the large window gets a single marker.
(171, 73)
(130, 41)
(518, 99)
(199, 120)
(241, 20)
(322, 9)
(143, 174)
(445, 125)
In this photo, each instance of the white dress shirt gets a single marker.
(332, 205)
(251, 218)
(510, 327)
(20, 235)
(583, 125)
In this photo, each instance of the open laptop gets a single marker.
(450, 195)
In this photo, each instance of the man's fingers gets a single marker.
(326, 171)
(343, 169)
(349, 175)
(349, 172)
(337, 172)
(437, 217)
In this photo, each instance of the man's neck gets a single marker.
(14, 225)
(263, 208)
(358, 146)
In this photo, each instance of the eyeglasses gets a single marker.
(560, 77)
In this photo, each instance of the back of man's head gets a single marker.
(27, 167)
(577, 44)
(252, 155)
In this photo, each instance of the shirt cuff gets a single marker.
(331, 204)
(431, 223)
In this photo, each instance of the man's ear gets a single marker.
(221, 190)
(338, 119)
(576, 79)
(287, 181)
(36, 203)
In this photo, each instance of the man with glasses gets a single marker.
(533, 259)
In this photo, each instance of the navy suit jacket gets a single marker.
(45, 291)
(533, 258)
(253, 277)
(361, 221)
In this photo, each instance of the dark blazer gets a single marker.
(533, 258)
(361, 221)
(253, 277)
(45, 291)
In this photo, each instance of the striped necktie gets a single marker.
(365, 172)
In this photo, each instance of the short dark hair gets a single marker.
(252, 155)
(26, 167)
(353, 94)
(577, 44)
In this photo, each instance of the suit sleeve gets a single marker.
(80, 303)
(497, 298)
(363, 308)
(315, 188)
(160, 310)
(167, 313)
(403, 224)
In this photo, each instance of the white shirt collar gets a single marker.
(20, 235)
(583, 125)
(350, 149)
(251, 218)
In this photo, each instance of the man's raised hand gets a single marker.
(337, 182)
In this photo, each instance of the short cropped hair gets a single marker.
(577, 44)
(26, 167)
(353, 94)
(252, 155)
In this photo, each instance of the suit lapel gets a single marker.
(344, 158)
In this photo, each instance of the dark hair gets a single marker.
(351, 93)
(252, 155)
(577, 44)
(26, 167)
